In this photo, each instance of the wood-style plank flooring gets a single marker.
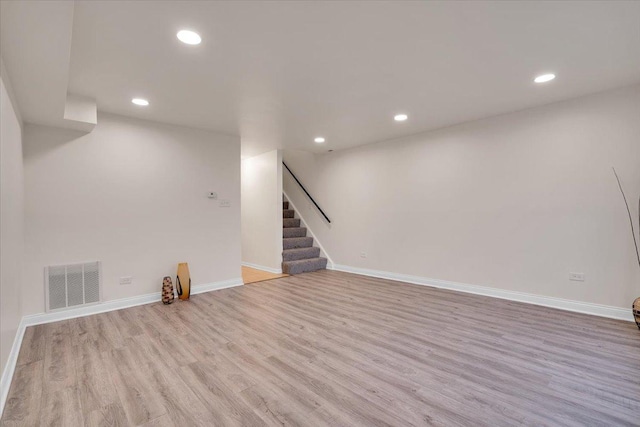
(329, 348)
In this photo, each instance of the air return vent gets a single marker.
(73, 285)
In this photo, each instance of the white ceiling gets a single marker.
(281, 73)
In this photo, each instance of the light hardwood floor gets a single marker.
(253, 275)
(329, 348)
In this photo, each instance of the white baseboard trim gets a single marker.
(216, 286)
(10, 366)
(560, 303)
(263, 268)
(41, 318)
(118, 304)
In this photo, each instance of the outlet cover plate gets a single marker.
(127, 280)
(576, 277)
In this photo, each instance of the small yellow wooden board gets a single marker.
(183, 281)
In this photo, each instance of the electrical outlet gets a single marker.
(127, 280)
(363, 254)
(225, 203)
(576, 277)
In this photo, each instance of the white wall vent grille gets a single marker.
(73, 285)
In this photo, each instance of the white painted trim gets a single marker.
(10, 366)
(216, 286)
(41, 318)
(118, 304)
(262, 267)
(560, 303)
(305, 224)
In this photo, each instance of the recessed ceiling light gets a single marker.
(400, 117)
(140, 101)
(319, 140)
(189, 37)
(544, 78)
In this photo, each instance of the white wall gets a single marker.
(11, 222)
(514, 202)
(132, 194)
(262, 210)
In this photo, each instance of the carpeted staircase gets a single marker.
(298, 255)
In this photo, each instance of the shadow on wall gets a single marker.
(55, 141)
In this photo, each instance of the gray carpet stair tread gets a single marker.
(297, 242)
(304, 265)
(294, 232)
(300, 253)
(290, 222)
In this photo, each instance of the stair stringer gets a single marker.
(303, 223)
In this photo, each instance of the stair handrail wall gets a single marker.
(307, 193)
(304, 223)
